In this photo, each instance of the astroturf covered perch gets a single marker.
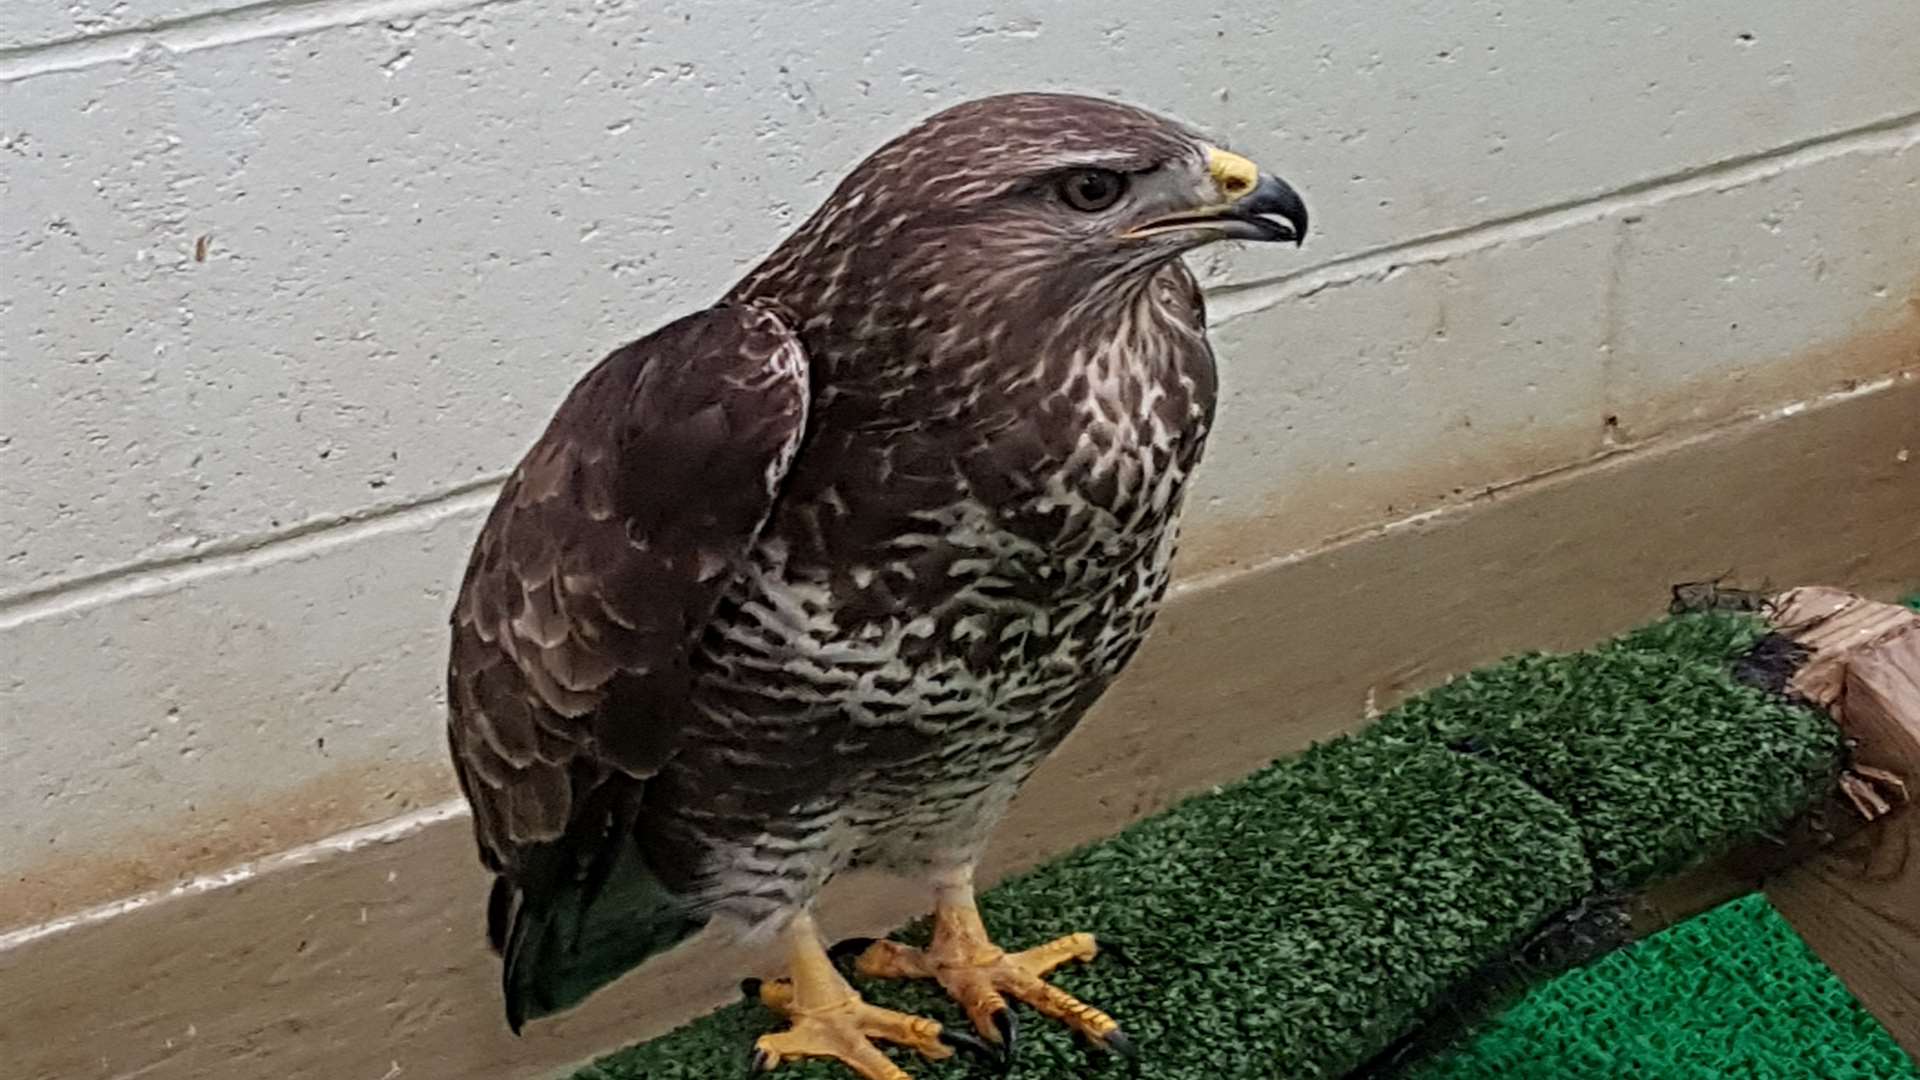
(1302, 921)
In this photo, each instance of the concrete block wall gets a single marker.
(286, 287)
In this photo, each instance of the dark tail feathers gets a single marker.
(563, 936)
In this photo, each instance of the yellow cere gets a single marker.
(1235, 174)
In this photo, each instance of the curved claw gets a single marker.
(1118, 1042)
(1008, 1028)
(761, 1062)
(1116, 949)
(978, 1049)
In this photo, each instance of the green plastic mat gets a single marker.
(1300, 921)
(1732, 992)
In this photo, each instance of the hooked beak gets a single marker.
(1255, 206)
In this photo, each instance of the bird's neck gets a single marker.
(952, 322)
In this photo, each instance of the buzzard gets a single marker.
(815, 577)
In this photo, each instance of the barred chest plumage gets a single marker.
(931, 611)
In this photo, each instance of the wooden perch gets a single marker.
(1857, 901)
(1848, 877)
(1863, 667)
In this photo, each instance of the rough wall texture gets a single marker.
(285, 286)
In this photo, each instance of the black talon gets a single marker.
(967, 1044)
(760, 1062)
(852, 946)
(750, 989)
(1116, 949)
(1118, 1042)
(1009, 1029)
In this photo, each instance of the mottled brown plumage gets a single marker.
(814, 578)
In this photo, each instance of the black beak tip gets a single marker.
(1291, 207)
(1281, 208)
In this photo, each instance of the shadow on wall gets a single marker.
(1324, 503)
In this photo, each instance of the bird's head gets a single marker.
(1085, 174)
(1053, 197)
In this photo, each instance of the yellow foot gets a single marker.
(844, 1031)
(980, 976)
(830, 1020)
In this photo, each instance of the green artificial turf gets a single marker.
(1732, 992)
(1307, 914)
(1299, 922)
(1590, 732)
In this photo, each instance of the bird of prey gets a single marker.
(815, 577)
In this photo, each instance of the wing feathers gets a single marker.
(538, 802)
(604, 556)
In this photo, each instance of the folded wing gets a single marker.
(604, 557)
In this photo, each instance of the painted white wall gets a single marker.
(237, 489)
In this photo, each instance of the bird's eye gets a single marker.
(1092, 189)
